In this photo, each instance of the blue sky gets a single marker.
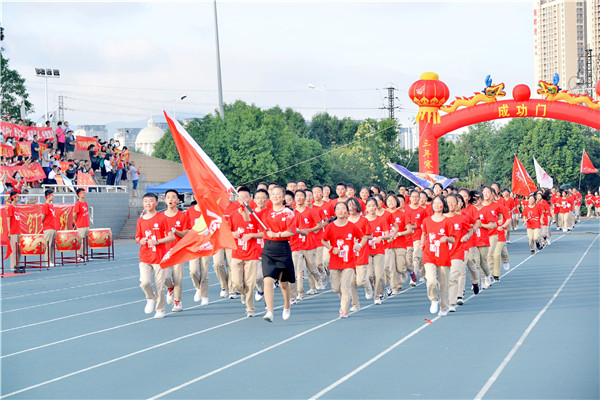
(126, 61)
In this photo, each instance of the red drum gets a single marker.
(68, 240)
(32, 244)
(98, 238)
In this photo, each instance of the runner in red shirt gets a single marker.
(380, 232)
(494, 216)
(82, 220)
(438, 232)
(339, 238)
(49, 225)
(597, 204)
(14, 232)
(481, 242)
(152, 232)
(277, 263)
(364, 194)
(363, 279)
(323, 209)
(414, 255)
(260, 198)
(546, 232)
(178, 223)
(395, 253)
(589, 204)
(199, 266)
(531, 217)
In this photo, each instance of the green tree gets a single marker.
(331, 131)
(12, 90)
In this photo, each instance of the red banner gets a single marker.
(3, 225)
(83, 142)
(24, 149)
(25, 132)
(31, 173)
(85, 179)
(6, 150)
(31, 217)
(64, 165)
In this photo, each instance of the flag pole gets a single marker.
(247, 206)
(580, 165)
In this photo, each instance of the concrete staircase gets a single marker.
(110, 210)
(135, 210)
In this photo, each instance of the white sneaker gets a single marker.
(460, 301)
(413, 284)
(354, 308)
(258, 296)
(368, 295)
(149, 306)
(484, 283)
(250, 314)
(434, 307)
(286, 314)
(443, 313)
(299, 297)
(490, 280)
(233, 296)
(452, 308)
(293, 302)
(170, 296)
(377, 301)
(243, 299)
(223, 293)
(394, 292)
(549, 241)
(159, 314)
(506, 266)
(312, 291)
(421, 279)
(268, 317)
(197, 296)
(177, 307)
(204, 301)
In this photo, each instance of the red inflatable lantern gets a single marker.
(429, 93)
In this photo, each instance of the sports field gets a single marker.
(81, 333)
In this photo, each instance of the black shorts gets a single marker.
(277, 261)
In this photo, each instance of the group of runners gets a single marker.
(380, 242)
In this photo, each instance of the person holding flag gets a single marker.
(198, 265)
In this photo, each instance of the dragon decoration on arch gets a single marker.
(489, 94)
(553, 93)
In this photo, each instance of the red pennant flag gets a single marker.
(586, 165)
(212, 191)
(522, 184)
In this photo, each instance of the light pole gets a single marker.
(324, 91)
(175, 104)
(47, 73)
(220, 85)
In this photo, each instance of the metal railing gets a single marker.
(39, 198)
(93, 188)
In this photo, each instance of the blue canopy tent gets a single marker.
(181, 184)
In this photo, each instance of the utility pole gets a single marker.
(589, 83)
(61, 108)
(390, 98)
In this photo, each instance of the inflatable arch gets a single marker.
(430, 94)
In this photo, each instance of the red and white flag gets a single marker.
(212, 191)
(522, 184)
(543, 179)
(586, 165)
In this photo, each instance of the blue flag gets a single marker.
(422, 179)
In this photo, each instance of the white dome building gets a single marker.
(148, 137)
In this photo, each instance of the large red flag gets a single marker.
(212, 191)
(522, 184)
(586, 165)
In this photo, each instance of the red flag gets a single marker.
(522, 184)
(586, 165)
(83, 142)
(212, 191)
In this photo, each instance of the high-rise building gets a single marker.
(563, 31)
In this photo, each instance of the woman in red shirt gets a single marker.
(363, 278)
(542, 202)
(589, 203)
(531, 217)
(480, 243)
(414, 255)
(380, 232)
(597, 204)
(437, 233)
(339, 238)
(395, 253)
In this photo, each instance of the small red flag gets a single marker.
(522, 184)
(586, 165)
(212, 191)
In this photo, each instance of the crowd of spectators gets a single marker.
(107, 163)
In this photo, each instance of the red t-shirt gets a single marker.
(555, 200)
(178, 222)
(15, 220)
(493, 213)
(481, 237)
(589, 199)
(307, 219)
(244, 250)
(278, 221)
(506, 216)
(596, 201)
(399, 218)
(532, 216)
(342, 237)
(378, 228)
(83, 214)
(362, 257)
(435, 252)
(389, 221)
(415, 217)
(155, 228)
(545, 210)
(461, 223)
(50, 221)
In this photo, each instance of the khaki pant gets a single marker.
(223, 271)
(437, 275)
(199, 275)
(376, 265)
(395, 264)
(463, 276)
(500, 256)
(342, 281)
(365, 277)
(414, 258)
(146, 272)
(304, 258)
(478, 256)
(83, 232)
(320, 259)
(15, 256)
(534, 237)
(491, 250)
(174, 280)
(50, 237)
(243, 276)
(590, 210)
(456, 270)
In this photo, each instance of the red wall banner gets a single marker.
(25, 132)
(31, 217)
(31, 173)
(83, 142)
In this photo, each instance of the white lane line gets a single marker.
(399, 342)
(112, 328)
(71, 287)
(177, 339)
(517, 345)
